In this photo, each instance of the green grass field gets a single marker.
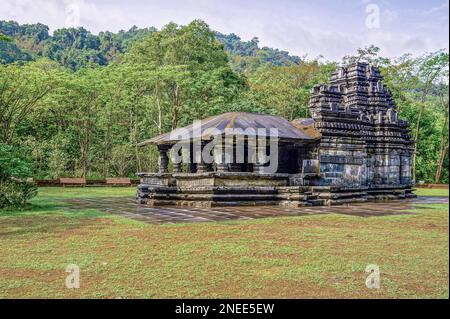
(288, 257)
(431, 192)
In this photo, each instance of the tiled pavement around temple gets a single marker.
(127, 207)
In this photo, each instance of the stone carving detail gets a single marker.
(392, 116)
(366, 122)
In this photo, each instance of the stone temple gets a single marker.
(353, 149)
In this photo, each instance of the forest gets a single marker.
(77, 104)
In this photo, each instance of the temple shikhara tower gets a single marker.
(354, 148)
(364, 144)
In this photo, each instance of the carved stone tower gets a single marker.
(364, 145)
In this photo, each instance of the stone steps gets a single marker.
(261, 196)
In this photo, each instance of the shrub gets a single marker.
(15, 188)
(16, 193)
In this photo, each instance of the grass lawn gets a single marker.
(431, 192)
(295, 257)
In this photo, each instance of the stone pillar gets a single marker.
(177, 167)
(177, 161)
(185, 156)
(202, 167)
(192, 166)
(253, 155)
(219, 157)
(261, 153)
(163, 159)
(232, 147)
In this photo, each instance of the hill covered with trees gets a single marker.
(78, 103)
(77, 47)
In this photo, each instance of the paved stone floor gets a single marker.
(127, 207)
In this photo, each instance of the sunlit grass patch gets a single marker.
(431, 192)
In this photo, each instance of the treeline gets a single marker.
(77, 47)
(79, 112)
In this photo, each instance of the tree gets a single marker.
(368, 54)
(415, 85)
(431, 68)
(76, 48)
(399, 77)
(22, 87)
(14, 163)
(10, 52)
(81, 96)
(121, 156)
(284, 91)
(247, 57)
(4, 38)
(444, 139)
(14, 168)
(189, 70)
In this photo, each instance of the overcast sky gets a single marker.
(303, 27)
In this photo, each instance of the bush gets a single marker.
(16, 193)
(15, 189)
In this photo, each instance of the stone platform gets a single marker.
(214, 189)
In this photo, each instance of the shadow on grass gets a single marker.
(45, 216)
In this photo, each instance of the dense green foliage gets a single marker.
(247, 56)
(71, 47)
(15, 167)
(77, 47)
(80, 103)
(4, 38)
(14, 163)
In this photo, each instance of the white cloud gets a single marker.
(389, 16)
(442, 7)
(395, 43)
(301, 41)
(32, 11)
(60, 13)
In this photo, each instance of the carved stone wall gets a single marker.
(364, 144)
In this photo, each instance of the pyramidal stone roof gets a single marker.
(239, 124)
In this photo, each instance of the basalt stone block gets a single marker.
(311, 167)
(330, 167)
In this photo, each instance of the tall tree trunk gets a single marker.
(416, 135)
(136, 150)
(443, 149)
(83, 161)
(84, 154)
(106, 147)
(442, 154)
(176, 107)
(158, 103)
(5, 131)
(85, 141)
(121, 169)
(133, 139)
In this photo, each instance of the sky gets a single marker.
(328, 28)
